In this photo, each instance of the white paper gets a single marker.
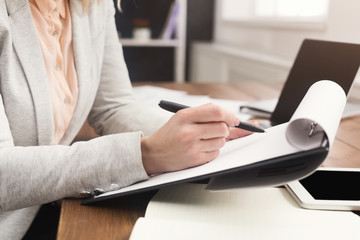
(151, 96)
(187, 211)
(323, 104)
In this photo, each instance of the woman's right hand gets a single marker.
(192, 137)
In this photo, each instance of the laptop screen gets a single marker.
(316, 60)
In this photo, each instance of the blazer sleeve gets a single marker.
(115, 109)
(39, 174)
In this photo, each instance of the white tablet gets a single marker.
(328, 188)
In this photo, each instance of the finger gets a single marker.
(209, 113)
(206, 157)
(210, 145)
(237, 133)
(212, 130)
(212, 155)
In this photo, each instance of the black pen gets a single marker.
(174, 107)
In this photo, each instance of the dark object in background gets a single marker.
(155, 11)
(157, 63)
(316, 60)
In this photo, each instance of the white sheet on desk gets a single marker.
(151, 96)
(188, 211)
(351, 109)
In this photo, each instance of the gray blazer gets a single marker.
(32, 172)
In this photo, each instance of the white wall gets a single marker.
(343, 25)
(254, 52)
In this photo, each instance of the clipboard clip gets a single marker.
(312, 128)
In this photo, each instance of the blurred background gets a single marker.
(227, 40)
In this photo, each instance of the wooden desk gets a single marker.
(115, 219)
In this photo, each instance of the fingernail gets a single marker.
(236, 123)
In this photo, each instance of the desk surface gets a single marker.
(115, 219)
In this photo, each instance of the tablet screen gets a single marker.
(333, 185)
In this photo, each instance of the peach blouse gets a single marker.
(52, 21)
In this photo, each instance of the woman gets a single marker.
(60, 64)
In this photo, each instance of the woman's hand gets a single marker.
(192, 137)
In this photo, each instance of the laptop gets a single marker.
(316, 60)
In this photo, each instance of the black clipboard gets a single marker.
(270, 172)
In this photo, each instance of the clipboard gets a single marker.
(287, 152)
(271, 172)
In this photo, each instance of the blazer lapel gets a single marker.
(82, 54)
(82, 49)
(28, 50)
